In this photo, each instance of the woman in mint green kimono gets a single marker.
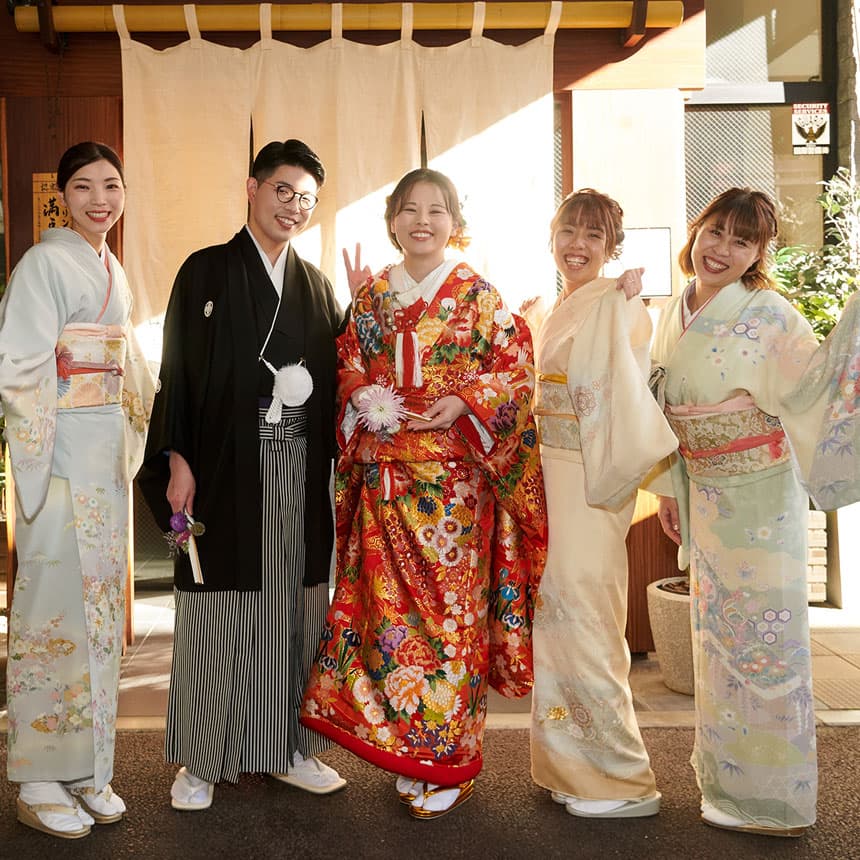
(76, 392)
(746, 390)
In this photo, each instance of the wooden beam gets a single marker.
(634, 34)
(606, 14)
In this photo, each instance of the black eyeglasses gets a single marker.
(286, 193)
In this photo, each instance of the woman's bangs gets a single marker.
(584, 211)
(745, 223)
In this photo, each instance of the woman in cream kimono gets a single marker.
(76, 393)
(749, 394)
(592, 359)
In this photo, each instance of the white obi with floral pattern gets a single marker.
(90, 361)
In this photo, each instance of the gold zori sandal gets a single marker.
(466, 789)
(27, 814)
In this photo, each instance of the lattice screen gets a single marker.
(558, 142)
(558, 186)
(725, 147)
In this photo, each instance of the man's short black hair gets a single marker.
(294, 152)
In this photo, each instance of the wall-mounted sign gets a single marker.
(650, 247)
(810, 128)
(47, 209)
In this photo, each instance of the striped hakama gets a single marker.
(241, 659)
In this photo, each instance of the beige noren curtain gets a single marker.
(488, 111)
(188, 112)
(357, 107)
(186, 119)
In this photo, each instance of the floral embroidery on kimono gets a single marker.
(441, 539)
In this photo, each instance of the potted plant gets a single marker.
(669, 616)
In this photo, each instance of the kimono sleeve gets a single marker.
(351, 368)
(501, 392)
(820, 415)
(501, 400)
(623, 432)
(138, 393)
(34, 311)
(659, 479)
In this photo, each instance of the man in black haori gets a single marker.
(242, 439)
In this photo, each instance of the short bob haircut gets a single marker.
(593, 209)
(295, 153)
(748, 214)
(396, 200)
(82, 154)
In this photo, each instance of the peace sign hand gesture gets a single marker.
(356, 274)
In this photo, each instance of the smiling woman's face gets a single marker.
(579, 252)
(719, 256)
(95, 197)
(423, 225)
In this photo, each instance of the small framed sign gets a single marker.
(47, 209)
(810, 128)
(651, 248)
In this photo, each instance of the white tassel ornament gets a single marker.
(293, 386)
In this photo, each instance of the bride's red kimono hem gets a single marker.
(422, 769)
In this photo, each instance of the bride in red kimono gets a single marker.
(441, 517)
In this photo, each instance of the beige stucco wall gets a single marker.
(635, 153)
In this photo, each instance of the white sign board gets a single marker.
(810, 128)
(650, 247)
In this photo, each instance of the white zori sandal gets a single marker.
(190, 793)
(48, 807)
(104, 806)
(639, 807)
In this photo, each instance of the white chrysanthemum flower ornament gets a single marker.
(381, 409)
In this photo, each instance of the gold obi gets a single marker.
(729, 443)
(557, 423)
(90, 361)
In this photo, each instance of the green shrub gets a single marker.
(819, 281)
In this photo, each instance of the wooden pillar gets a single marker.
(650, 556)
(11, 551)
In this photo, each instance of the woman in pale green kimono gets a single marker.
(728, 352)
(76, 393)
(592, 361)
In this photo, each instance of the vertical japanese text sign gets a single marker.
(47, 209)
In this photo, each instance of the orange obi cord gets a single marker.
(67, 366)
(558, 378)
(772, 440)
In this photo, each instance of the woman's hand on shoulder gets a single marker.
(533, 311)
(356, 274)
(528, 304)
(630, 281)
